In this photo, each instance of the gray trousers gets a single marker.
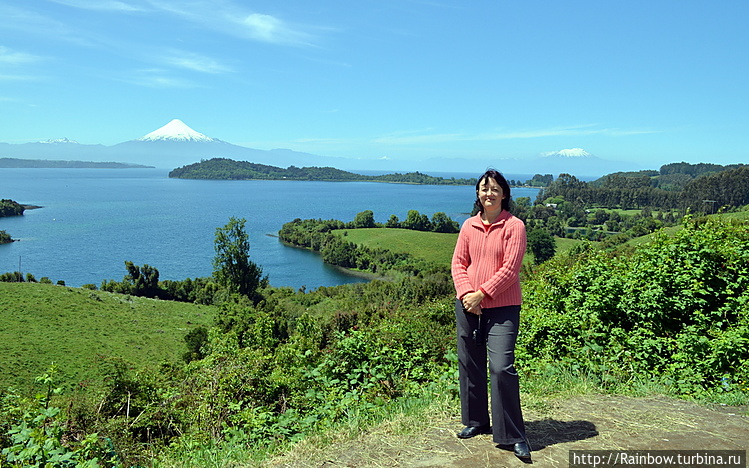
(499, 327)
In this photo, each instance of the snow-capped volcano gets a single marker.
(176, 130)
(58, 141)
(569, 153)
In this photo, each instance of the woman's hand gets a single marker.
(472, 301)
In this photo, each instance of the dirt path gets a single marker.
(603, 422)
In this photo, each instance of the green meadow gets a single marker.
(433, 247)
(77, 329)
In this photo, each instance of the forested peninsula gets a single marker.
(229, 169)
(10, 208)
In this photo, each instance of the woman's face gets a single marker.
(490, 194)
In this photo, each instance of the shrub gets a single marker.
(675, 309)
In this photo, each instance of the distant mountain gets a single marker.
(176, 144)
(575, 161)
(568, 153)
(59, 141)
(176, 130)
(579, 162)
(173, 145)
(57, 164)
(61, 149)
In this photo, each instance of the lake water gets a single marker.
(93, 220)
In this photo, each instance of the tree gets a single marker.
(442, 223)
(232, 267)
(554, 226)
(393, 222)
(541, 244)
(417, 221)
(139, 281)
(195, 341)
(142, 281)
(365, 219)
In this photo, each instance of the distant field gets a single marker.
(565, 245)
(42, 323)
(438, 248)
(671, 230)
(740, 215)
(431, 246)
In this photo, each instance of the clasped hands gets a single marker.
(472, 301)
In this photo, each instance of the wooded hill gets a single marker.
(229, 169)
(702, 188)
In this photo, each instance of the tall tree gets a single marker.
(417, 221)
(232, 267)
(442, 223)
(541, 244)
(365, 219)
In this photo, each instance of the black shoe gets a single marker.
(473, 431)
(522, 450)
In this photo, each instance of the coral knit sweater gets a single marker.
(488, 257)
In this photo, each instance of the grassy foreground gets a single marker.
(75, 328)
(309, 389)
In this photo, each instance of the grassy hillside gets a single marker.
(565, 245)
(670, 231)
(431, 246)
(75, 328)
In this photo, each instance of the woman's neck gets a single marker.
(490, 217)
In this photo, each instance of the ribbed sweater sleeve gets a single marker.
(490, 259)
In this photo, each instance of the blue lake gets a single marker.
(93, 220)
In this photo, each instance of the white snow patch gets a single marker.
(176, 130)
(568, 153)
(58, 141)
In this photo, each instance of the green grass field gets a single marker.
(565, 245)
(431, 246)
(74, 328)
(741, 216)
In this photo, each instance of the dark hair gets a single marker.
(500, 179)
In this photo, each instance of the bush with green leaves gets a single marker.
(38, 435)
(676, 310)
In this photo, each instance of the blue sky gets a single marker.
(648, 82)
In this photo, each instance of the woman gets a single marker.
(485, 269)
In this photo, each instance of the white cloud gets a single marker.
(407, 138)
(263, 27)
(235, 20)
(267, 28)
(100, 5)
(17, 78)
(11, 57)
(156, 78)
(194, 62)
(412, 139)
